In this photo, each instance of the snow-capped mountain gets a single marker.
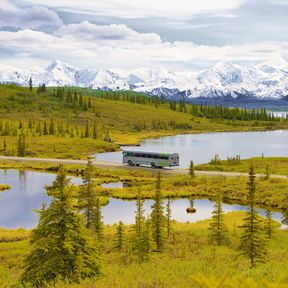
(224, 79)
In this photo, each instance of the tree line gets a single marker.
(68, 242)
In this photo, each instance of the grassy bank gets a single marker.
(275, 165)
(69, 126)
(4, 187)
(269, 192)
(188, 261)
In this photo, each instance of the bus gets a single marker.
(153, 159)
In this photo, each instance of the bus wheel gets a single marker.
(153, 165)
(130, 163)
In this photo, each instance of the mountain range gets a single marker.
(262, 81)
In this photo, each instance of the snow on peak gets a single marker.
(224, 79)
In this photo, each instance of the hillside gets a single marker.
(71, 123)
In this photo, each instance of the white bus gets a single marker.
(153, 159)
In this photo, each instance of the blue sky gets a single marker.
(180, 35)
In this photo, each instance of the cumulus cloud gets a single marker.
(33, 17)
(147, 8)
(118, 46)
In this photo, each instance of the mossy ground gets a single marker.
(189, 260)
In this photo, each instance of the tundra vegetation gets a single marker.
(236, 249)
(155, 251)
(4, 187)
(73, 123)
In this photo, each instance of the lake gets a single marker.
(201, 148)
(27, 193)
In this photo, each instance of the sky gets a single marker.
(182, 35)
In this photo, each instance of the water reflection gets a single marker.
(202, 147)
(27, 193)
(114, 185)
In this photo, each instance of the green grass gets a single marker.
(188, 261)
(270, 192)
(126, 122)
(277, 165)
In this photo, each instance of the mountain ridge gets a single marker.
(224, 79)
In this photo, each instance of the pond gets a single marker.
(201, 148)
(27, 193)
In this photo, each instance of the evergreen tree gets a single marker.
(168, 217)
(146, 243)
(120, 236)
(97, 219)
(4, 144)
(45, 129)
(95, 136)
(217, 229)
(191, 169)
(30, 84)
(267, 172)
(158, 219)
(139, 218)
(21, 145)
(87, 195)
(61, 246)
(252, 243)
(87, 132)
(268, 225)
(81, 100)
(51, 127)
(285, 210)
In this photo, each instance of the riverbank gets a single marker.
(272, 165)
(174, 185)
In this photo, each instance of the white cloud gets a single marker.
(90, 32)
(8, 5)
(147, 8)
(33, 17)
(118, 46)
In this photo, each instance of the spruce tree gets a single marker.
(4, 145)
(267, 172)
(157, 215)
(285, 210)
(168, 217)
(191, 169)
(217, 229)
(21, 145)
(30, 84)
(146, 244)
(252, 242)
(51, 127)
(61, 247)
(87, 132)
(119, 244)
(95, 136)
(139, 218)
(45, 129)
(97, 219)
(268, 225)
(87, 195)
